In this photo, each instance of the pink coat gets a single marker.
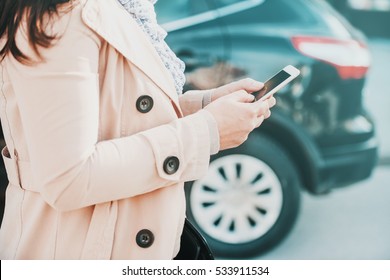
(97, 145)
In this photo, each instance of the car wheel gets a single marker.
(249, 199)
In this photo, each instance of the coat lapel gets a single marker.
(114, 24)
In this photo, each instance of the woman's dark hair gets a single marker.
(12, 12)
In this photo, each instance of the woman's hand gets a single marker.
(247, 84)
(236, 114)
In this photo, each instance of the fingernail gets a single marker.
(254, 99)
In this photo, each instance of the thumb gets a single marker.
(242, 96)
(247, 84)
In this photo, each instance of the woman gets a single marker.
(99, 142)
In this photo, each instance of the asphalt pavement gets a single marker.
(348, 224)
(352, 223)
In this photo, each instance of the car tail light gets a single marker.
(350, 57)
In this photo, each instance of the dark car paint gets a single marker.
(309, 122)
(374, 23)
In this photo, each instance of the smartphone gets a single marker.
(277, 82)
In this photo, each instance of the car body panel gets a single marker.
(320, 111)
(370, 16)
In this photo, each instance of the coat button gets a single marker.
(144, 103)
(171, 165)
(144, 238)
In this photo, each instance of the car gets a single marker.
(320, 136)
(370, 16)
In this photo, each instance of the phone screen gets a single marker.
(269, 85)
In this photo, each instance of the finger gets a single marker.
(242, 96)
(264, 111)
(259, 121)
(250, 85)
(267, 114)
(261, 107)
(271, 101)
(246, 84)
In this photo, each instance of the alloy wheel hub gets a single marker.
(239, 199)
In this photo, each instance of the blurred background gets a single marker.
(313, 181)
(352, 223)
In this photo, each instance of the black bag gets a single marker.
(193, 246)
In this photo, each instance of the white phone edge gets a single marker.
(294, 72)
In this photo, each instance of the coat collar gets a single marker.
(114, 24)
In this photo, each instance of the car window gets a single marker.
(222, 3)
(277, 11)
(171, 10)
(273, 11)
(177, 14)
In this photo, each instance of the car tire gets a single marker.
(249, 199)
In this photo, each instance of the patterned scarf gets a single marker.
(143, 13)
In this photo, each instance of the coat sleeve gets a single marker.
(194, 100)
(59, 107)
